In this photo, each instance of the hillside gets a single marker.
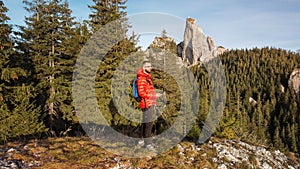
(262, 89)
(76, 153)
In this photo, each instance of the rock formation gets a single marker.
(196, 46)
(282, 88)
(230, 153)
(252, 101)
(294, 80)
(221, 50)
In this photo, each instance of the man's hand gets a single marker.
(157, 95)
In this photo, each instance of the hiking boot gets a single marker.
(151, 148)
(141, 143)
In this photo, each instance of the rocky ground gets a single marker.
(83, 153)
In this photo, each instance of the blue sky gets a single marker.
(231, 23)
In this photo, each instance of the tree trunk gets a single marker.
(51, 111)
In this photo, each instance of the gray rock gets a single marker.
(240, 152)
(180, 148)
(294, 80)
(11, 150)
(12, 164)
(265, 165)
(222, 166)
(196, 46)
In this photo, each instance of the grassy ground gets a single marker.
(76, 153)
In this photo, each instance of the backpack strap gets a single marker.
(148, 81)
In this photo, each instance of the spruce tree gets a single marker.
(5, 53)
(47, 41)
(18, 115)
(104, 12)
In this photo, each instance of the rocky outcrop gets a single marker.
(221, 50)
(294, 80)
(225, 154)
(196, 46)
(282, 88)
(9, 160)
(252, 101)
(236, 153)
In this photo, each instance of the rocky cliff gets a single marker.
(294, 80)
(196, 46)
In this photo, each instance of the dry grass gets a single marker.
(80, 153)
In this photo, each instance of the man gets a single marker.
(148, 95)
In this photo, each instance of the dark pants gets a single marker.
(147, 124)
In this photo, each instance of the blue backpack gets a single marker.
(135, 91)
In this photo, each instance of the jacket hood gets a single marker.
(141, 72)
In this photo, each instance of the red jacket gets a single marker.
(145, 89)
